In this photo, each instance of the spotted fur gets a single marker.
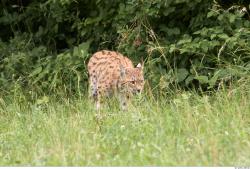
(110, 73)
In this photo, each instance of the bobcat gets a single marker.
(110, 73)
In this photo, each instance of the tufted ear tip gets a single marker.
(139, 65)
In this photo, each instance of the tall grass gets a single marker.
(189, 129)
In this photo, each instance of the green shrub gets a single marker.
(45, 44)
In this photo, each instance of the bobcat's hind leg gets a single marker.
(95, 93)
(97, 99)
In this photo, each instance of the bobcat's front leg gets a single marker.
(123, 101)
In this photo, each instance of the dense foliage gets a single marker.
(45, 44)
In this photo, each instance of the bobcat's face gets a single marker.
(132, 79)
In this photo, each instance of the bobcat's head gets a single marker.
(132, 79)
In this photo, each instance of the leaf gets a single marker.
(82, 49)
(183, 41)
(223, 36)
(43, 100)
(36, 71)
(40, 32)
(176, 31)
(189, 79)
(197, 32)
(40, 76)
(232, 18)
(172, 48)
(170, 31)
(204, 45)
(168, 11)
(89, 21)
(213, 80)
(181, 74)
(84, 46)
(211, 13)
(202, 79)
(213, 36)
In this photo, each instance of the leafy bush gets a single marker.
(45, 44)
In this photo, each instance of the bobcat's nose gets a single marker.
(136, 91)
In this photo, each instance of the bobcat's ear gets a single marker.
(122, 71)
(140, 66)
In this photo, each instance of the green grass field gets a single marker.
(186, 129)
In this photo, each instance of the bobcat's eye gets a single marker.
(140, 81)
(133, 82)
